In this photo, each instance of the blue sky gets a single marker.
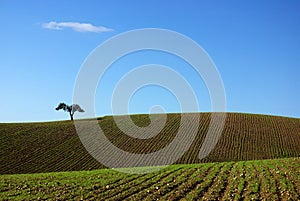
(254, 44)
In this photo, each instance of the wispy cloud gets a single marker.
(76, 26)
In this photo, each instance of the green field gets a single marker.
(256, 158)
(276, 179)
(55, 146)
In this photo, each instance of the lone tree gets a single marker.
(70, 108)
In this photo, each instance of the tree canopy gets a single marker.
(70, 108)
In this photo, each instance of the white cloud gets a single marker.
(76, 26)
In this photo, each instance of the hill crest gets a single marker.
(55, 146)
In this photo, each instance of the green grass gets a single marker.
(260, 179)
(55, 146)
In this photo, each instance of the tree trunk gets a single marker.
(71, 115)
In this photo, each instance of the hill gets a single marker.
(276, 179)
(55, 146)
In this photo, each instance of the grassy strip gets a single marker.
(251, 180)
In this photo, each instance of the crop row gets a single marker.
(251, 180)
(55, 146)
